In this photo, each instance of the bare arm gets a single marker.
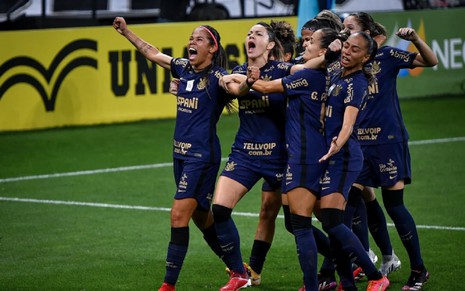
(265, 87)
(314, 63)
(350, 115)
(232, 84)
(147, 50)
(426, 56)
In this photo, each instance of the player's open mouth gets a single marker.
(251, 46)
(192, 53)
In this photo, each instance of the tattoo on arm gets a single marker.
(146, 48)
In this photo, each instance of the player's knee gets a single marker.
(331, 217)
(221, 213)
(300, 222)
(393, 198)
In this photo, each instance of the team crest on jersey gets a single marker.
(209, 197)
(334, 90)
(218, 74)
(230, 166)
(375, 67)
(266, 77)
(202, 83)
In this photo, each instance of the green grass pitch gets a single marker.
(87, 208)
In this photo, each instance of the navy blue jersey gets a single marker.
(350, 90)
(200, 102)
(306, 92)
(262, 117)
(382, 120)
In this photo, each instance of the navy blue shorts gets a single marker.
(195, 179)
(341, 173)
(249, 171)
(384, 165)
(306, 176)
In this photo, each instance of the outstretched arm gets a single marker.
(147, 50)
(426, 56)
(350, 115)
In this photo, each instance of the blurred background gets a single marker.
(30, 14)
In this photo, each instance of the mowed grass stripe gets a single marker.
(163, 165)
(164, 209)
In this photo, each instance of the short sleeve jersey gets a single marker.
(382, 120)
(306, 92)
(200, 102)
(350, 90)
(262, 117)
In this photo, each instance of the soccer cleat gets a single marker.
(255, 278)
(373, 256)
(390, 264)
(416, 280)
(378, 285)
(166, 287)
(246, 267)
(326, 283)
(358, 273)
(237, 281)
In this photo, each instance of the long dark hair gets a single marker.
(286, 36)
(367, 23)
(219, 59)
(328, 36)
(325, 18)
(277, 50)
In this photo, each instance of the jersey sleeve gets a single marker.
(177, 66)
(401, 58)
(297, 84)
(355, 93)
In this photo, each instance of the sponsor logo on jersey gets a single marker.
(182, 186)
(297, 84)
(406, 45)
(370, 133)
(288, 175)
(246, 104)
(181, 147)
(259, 149)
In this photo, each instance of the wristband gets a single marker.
(248, 83)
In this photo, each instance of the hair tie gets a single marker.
(213, 36)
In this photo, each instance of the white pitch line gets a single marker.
(164, 209)
(163, 165)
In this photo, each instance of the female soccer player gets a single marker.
(346, 96)
(306, 92)
(384, 141)
(258, 152)
(196, 147)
